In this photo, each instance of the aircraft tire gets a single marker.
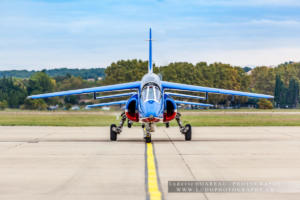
(148, 139)
(113, 134)
(188, 134)
(129, 124)
(167, 125)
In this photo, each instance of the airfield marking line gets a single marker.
(153, 190)
(184, 161)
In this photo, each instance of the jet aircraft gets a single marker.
(151, 100)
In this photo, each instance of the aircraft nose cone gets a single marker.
(151, 109)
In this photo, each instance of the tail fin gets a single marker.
(150, 67)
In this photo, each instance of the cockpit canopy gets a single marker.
(151, 92)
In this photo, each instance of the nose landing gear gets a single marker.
(186, 130)
(148, 139)
(147, 129)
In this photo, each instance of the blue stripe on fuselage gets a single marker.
(151, 108)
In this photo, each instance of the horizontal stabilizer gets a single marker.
(193, 103)
(106, 104)
(117, 95)
(184, 95)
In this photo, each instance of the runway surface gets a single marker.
(81, 163)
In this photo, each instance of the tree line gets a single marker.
(281, 81)
(218, 75)
(13, 91)
(83, 73)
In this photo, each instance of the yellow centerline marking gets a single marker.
(153, 188)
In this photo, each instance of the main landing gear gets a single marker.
(115, 130)
(186, 130)
(167, 125)
(148, 128)
(129, 123)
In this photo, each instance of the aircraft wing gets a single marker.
(194, 88)
(123, 86)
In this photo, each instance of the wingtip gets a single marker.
(33, 97)
(270, 97)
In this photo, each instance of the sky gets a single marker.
(38, 34)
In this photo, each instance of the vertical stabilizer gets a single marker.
(150, 67)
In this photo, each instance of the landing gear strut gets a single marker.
(186, 130)
(147, 128)
(115, 130)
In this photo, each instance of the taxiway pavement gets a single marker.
(81, 163)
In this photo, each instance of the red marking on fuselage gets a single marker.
(169, 117)
(153, 119)
(133, 117)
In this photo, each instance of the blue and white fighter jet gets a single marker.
(150, 100)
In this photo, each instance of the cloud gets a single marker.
(241, 57)
(275, 22)
(247, 2)
(81, 33)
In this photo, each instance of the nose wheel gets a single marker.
(147, 132)
(148, 139)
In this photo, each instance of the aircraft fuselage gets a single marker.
(150, 102)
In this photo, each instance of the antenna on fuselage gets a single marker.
(150, 67)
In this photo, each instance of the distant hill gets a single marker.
(83, 73)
